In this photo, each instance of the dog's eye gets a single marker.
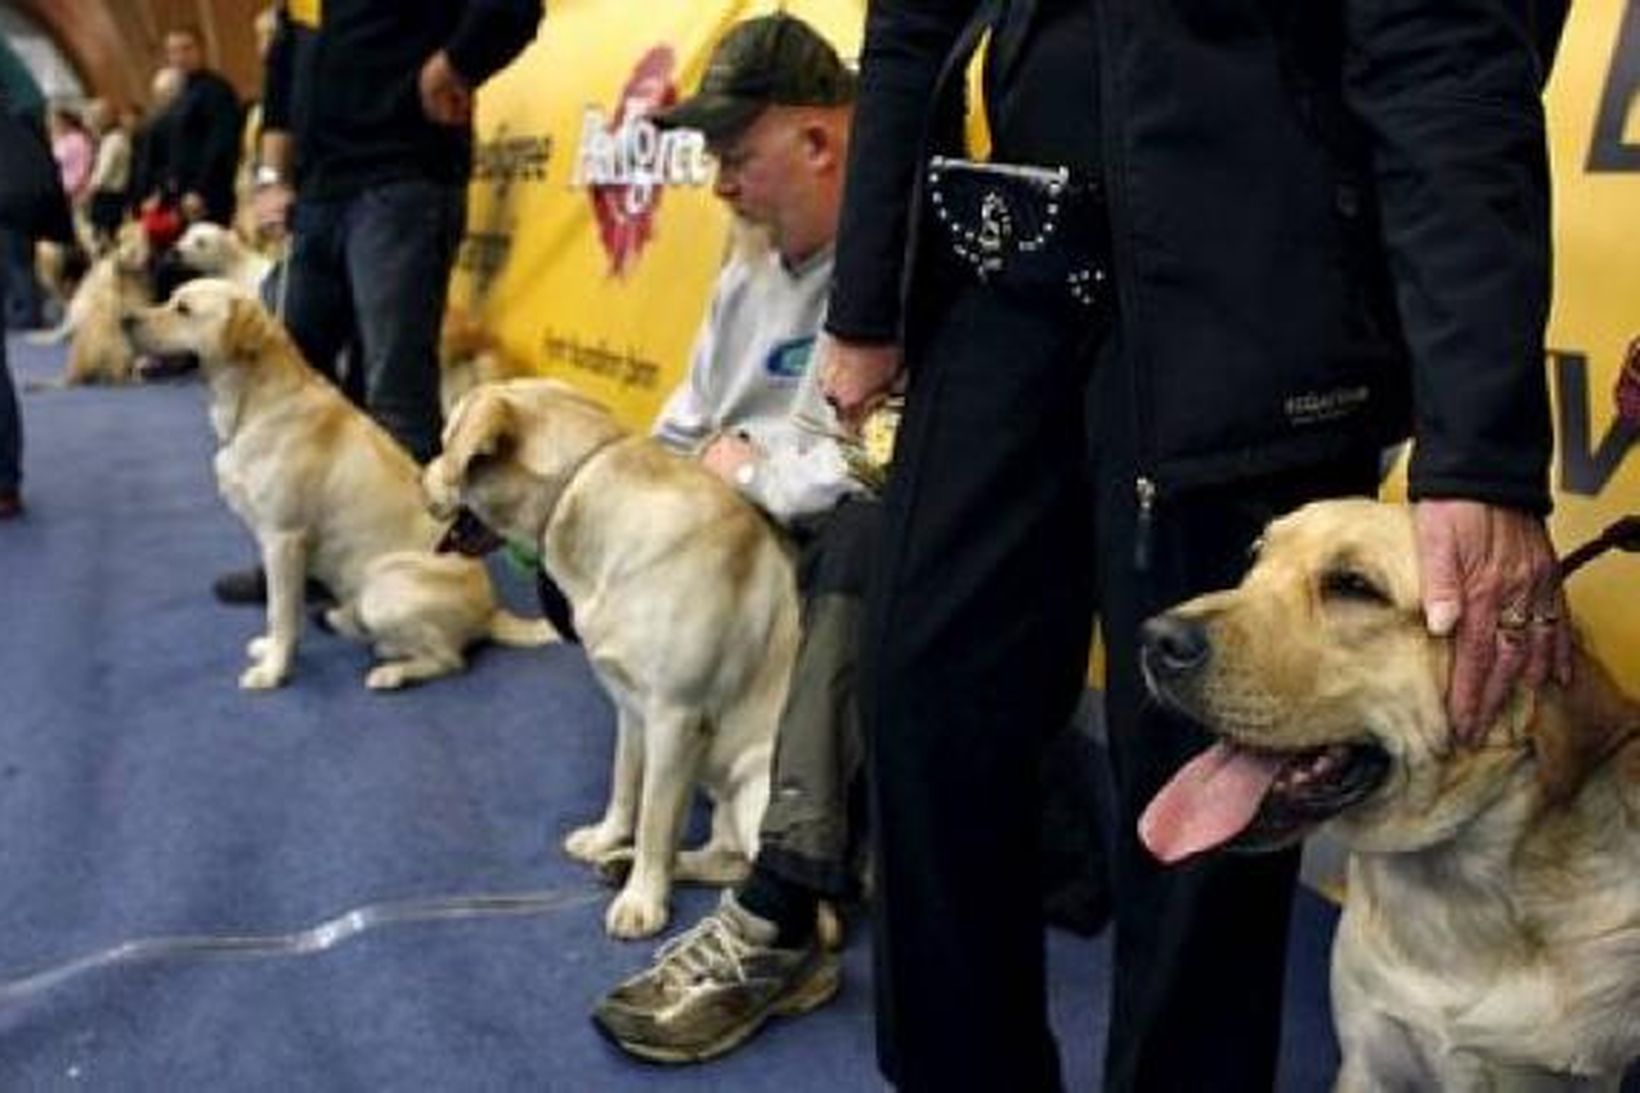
(182, 308)
(1347, 584)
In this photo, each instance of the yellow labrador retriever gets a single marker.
(328, 495)
(117, 283)
(684, 598)
(216, 251)
(1490, 939)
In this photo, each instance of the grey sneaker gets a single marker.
(714, 985)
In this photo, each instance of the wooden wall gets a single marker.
(116, 45)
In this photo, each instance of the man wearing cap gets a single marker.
(775, 107)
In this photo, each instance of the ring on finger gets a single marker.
(1513, 616)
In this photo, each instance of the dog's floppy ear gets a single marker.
(248, 332)
(484, 428)
(1577, 730)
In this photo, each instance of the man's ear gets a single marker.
(819, 142)
(248, 332)
(484, 429)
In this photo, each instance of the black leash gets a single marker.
(1621, 535)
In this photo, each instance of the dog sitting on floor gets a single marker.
(1490, 938)
(686, 603)
(117, 283)
(328, 495)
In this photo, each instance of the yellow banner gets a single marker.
(1594, 116)
(593, 237)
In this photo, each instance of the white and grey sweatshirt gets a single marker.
(750, 373)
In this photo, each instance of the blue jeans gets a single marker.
(368, 274)
(11, 422)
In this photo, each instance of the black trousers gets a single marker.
(1011, 514)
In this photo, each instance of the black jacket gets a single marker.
(348, 90)
(1330, 224)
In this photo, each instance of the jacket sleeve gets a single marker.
(1450, 93)
(802, 473)
(906, 43)
(491, 33)
(687, 421)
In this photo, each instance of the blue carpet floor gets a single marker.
(143, 795)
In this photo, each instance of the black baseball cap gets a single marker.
(767, 61)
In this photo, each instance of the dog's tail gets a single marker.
(507, 628)
(57, 335)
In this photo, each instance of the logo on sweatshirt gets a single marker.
(625, 161)
(790, 359)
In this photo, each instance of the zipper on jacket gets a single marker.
(1113, 164)
(1144, 523)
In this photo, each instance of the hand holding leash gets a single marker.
(855, 378)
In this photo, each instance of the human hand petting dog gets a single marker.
(856, 377)
(1491, 581)
(446, 97)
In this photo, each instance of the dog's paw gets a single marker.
(263, 677)
(635, 915)
(385, 677)
(594, 842)
(710, 865)
(257, 647)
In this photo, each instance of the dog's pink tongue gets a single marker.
(1208, 803)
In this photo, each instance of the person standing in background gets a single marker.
(199, 131)
(21, 295)
(366, 150)
(74, 151)
(35, 208)
(110, 186)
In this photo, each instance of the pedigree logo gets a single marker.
(626, 162)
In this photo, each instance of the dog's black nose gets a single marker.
(1174, 645)
(128, 322)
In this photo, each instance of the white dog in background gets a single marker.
(216, 251)
(328, 495)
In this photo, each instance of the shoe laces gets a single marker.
(712, 949)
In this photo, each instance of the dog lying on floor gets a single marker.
(328, 495)
(1490, 938)
(685, 600)
(215, 251)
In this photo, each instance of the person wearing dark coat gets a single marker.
(366, 150)
(199, 134)
(1236, 250)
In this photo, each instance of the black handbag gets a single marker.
(1022, 228)
(32, 200)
